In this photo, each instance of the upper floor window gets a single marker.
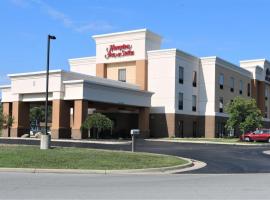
(181, 75)
(194, 102)
(241, 87)
(266, 93)
(122, 75)
(221, 104)
(248, 89)
(232, 84)
(194, 79)
(180, 101)
(221, 81)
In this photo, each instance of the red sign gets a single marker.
(115, 51)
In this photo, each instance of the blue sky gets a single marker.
(231, 29)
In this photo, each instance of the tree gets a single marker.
(97, 121)
(37, 115)
(244, 114)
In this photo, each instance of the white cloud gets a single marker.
(65, 19)
(97, 26)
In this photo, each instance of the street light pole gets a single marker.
(45, 138)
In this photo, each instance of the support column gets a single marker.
(261, 96)
(144, 122)
(210, 124)
(60, 119)
(141, 74)
(101, 70)
(258, 93)
(21, 124)
(80, 112)
(6, 111)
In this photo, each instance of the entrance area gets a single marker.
(66, 118)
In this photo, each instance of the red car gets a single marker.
(258, 135)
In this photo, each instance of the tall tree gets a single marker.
(243, 113)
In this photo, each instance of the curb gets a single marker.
(191, 165)
(267, 152)
(205, 142)
(69, 140)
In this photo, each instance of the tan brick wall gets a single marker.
(225, 92)
(79, 115)
(60, 119)
(136, 72)
(113, 68)
(101, 70)
(20, 113)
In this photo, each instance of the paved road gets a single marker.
(184, 186)
(220, 159)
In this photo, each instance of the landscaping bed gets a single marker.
(19, 156)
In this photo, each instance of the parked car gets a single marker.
(258, 135)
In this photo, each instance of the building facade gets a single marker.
(163, 92)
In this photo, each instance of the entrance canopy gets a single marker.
(30, 87)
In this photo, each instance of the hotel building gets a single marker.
(163, 92)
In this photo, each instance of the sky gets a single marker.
(231, 29)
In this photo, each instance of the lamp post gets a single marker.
(45, 138)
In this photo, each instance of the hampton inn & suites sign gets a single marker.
(115, 51)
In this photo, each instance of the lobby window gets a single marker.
(266, 93)
(248, 89)
(194, 103)
(180, 101)
(194, 79)
(122, 75)
(221, 81)
(241, 87)
(221, 104)
(232, 84)
(181, 75)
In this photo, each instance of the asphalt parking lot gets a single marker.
(220, 159)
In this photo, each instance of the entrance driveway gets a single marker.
(220, 158)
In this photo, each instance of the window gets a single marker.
(248, 89)
(122, 75)
(266, 93)
(181, 75)
(240, 87)
(180, 101)
(194, 102)
(221, 81)
(265, 111)
(194, 79)
(221, 104)
(232, 84)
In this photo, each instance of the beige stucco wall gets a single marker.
(112, 71)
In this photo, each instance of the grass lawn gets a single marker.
(17, 156)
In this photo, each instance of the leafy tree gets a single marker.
(243, 113)
(97, 121)
(37, 114)
(8, 121)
